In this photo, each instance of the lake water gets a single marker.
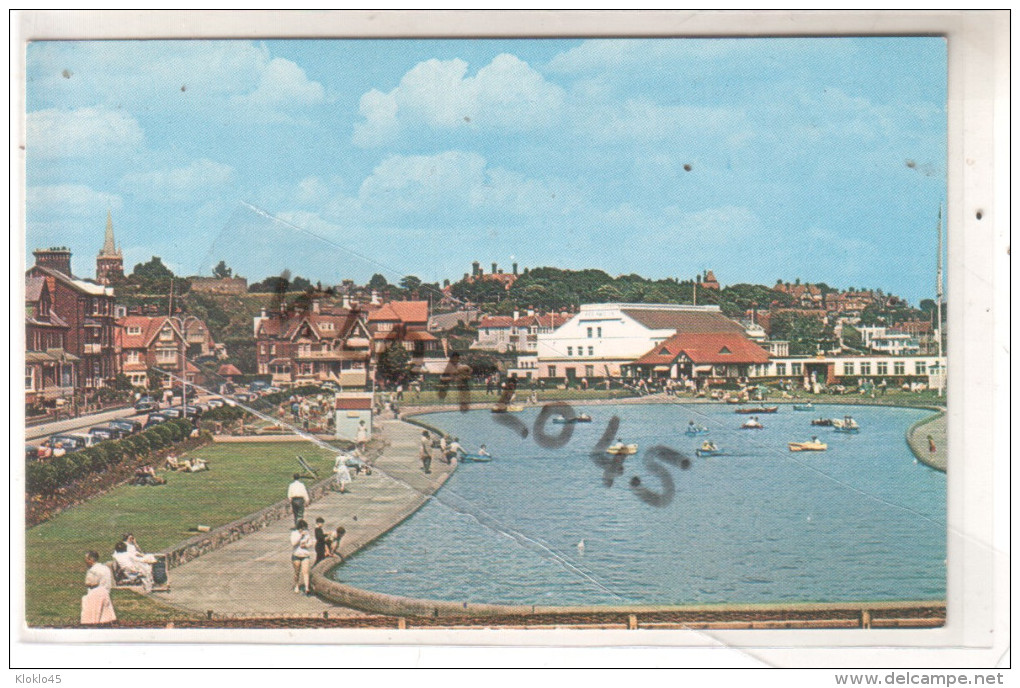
(860, 522)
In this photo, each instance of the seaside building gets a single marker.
(889, 340)
(706, 358)
(403, 323)
(145, 342)
(88, 311)
(50, 371)
(600, 339)
(849, 370)
(504, 333)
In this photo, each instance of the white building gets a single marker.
(889, 341)
(850, 369)
(602, 337)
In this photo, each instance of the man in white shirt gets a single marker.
(297, 493)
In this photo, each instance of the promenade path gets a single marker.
(253, 576)
(917, 437)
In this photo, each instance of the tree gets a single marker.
(410, 283)
(394, 364)
(852, 338)
(378, 282)
(222, 271)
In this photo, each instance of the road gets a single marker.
(36, 434)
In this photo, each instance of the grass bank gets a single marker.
(243, 478)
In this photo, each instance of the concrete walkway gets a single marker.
(917, 438)
(253, 576)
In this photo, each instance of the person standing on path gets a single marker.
(931, 445)
(362, 437)
(321, 540)
(425, 453)
(342, 473)
(301, 557)
(297, 493)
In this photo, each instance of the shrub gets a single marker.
(41, 478)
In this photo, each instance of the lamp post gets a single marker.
(182, 326)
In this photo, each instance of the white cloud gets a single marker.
(640, 120)
(199, 179)
(86, 132)
(69, 200)
(284, 84)
(506, 94)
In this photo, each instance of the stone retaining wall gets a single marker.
(218, 537)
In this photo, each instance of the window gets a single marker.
(551, 372)
(899, 368)
(589, 333)
(882, 368)
(920, 368)
(29, 379)
(166, 333)
(326, 326)
(796, 368)
(570, 351)
(589, 371)
(580, 351)
(272, 349)
(132, 356)
(134, 330)
(166, 355)
(600, 332)
(262, 349)
(848, 368)
(780, 369)
(591, 350)
(866, 368)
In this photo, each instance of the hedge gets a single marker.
(48, 475)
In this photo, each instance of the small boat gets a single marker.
(731, 400)
(808, 446)
(507, 409)
(751, 425)
(803, 407)
(583, 418)
(622, 449)
(823, 422)
(848, 426)
(708, 452)
(475, 458)
(694, 431)
(759, 409)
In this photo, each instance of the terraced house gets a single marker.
(163, 343)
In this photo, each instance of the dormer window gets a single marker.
(134, 330)
(326, 326)
(725, 350)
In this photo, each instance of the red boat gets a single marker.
(760, 409)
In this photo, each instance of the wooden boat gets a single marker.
(758, 410)
(475, 458)
(749, 425)
(808, 446)
(822, 422)
(843, 426)
(507, 409)
(622, 449)
(803, 407)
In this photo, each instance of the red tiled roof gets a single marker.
(684, 321)
(228, 369)
(149, 327)
(402, 311)
(353, 403)
(496, 321)
(704, 348)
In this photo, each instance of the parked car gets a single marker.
(216, 402)
(172, 412)
(146, 405)
(128, 425)
(273, 390)
(156, 419)
(70, 442)
(107, 432)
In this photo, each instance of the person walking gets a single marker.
(362, 437)
(425, 452)
(931, 445)
(96, 605)
(301, 557)
(341, 473)
(297, 493)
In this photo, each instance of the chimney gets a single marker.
(315, 306)
(531, 312)
(476, 269)
(375, 297)
(494, 266)
(345, 303)
(465, 277)
(515, 268)
(56, 258)
(517, 316)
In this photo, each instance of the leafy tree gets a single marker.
(378, 282)
(852, 338)
(394, 364)
(221, 270)
(410, 283)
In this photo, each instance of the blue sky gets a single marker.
(760, 159)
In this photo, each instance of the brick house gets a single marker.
(314, 346)
(145, 342)
(404, 323)
(87, 309)
(50, 371)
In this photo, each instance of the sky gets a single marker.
(761, 159)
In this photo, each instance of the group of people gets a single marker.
(321, 543)
(186, 465)
(132, 564)
(146, 475)
(449, 449)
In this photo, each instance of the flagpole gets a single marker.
(938, 304)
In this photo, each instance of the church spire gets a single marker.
(109, 248)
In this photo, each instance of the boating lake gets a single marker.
(862, 521)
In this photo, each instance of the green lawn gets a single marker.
(243, 479)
